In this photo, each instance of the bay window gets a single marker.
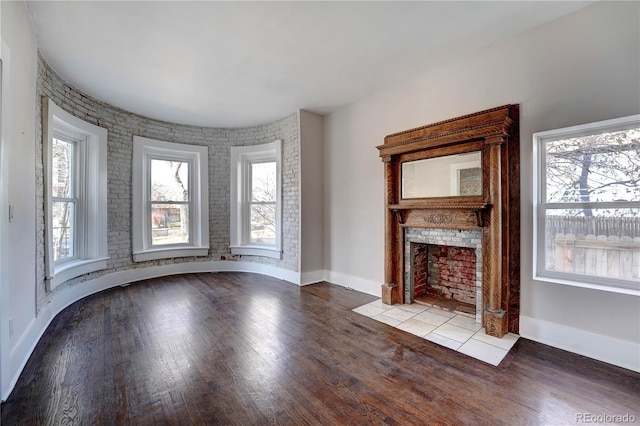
(256, 200)
(170, 200)
(75, 164)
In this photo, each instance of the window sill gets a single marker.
(70, 270)
(614, 287)
(155, 254)
(271, 252)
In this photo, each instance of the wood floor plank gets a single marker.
(244, 349)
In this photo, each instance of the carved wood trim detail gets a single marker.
(496, 211)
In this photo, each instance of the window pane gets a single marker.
(595, 242)
(263, 224)
(169, 224)
(169, 180)
(63, 227)
(600, 167)
(263, 181)
(62, 169)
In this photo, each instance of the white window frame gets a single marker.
(540, 207)
(146, 149)
(241, 159)
(90, 177)
(77, 195)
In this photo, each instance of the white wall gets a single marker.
(18, 148)
(581, 68)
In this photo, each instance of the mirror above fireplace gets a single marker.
(447, 176)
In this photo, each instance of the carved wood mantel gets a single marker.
(496, 211)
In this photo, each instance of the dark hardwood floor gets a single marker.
(236, 348)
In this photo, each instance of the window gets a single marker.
(256, 200)
(587, 210)
(64, 195)
(75, 196)
(170, 200)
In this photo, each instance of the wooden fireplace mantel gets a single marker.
(496, 211)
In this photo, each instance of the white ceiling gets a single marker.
(229, 64)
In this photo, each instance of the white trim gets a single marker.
(313, 277)
(454, 171)
(583, 284)
(355, 283)
(614, 351)
(92, 221)
(154, 254)
(5, 124)
(65, 296)
(71, 270)
(257, 251)
(540, 273)
(240, 159)
(198, 157)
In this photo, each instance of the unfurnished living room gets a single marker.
(320, 212)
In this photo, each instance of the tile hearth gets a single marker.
(454, 331)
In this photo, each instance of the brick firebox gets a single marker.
(444, 271)
(446, 263)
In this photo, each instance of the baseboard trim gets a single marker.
(356, 283)
(313, 277)
(607, 349)
(64, 296)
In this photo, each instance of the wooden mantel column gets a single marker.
(391, 292)
(494, 316)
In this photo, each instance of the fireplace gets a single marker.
(455, 185)
(443, 267)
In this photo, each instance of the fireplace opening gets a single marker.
(445, 276)
(443, 268)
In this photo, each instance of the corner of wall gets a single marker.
(311, 191)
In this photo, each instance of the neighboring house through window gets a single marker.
(75, 196)
(587, 206)
(256, 200)
(170, 200)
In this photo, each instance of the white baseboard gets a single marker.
(313, 277)
(64, 296)
(360, 284)
(618, 352)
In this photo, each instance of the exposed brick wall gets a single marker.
(471, 181)
(420, 261)
(471, 239)
(452, 272)
(122, 126)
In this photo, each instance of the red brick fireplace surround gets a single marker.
(493, 208)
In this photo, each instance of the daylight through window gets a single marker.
(256, 200)
(262, 203)
(64, 198)
(75, 196)
(588, 207)
(170, 200)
